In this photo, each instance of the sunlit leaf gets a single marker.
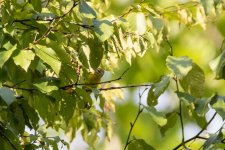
(86, 10)
(103, 29)
(96, 53)
(180, 66)
(5, 54)
(139, 144)
(136, 22)
(45, 87)
(157, 116)
(24, 58)
(193, 82)
(157, 89)
(48, 56)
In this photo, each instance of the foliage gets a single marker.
(48, 49)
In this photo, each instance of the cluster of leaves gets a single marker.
(189, 79)
(48, 47)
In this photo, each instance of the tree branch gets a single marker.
(140, 110)
(123, 87)
(197, 135)
(99, 83)
(19, 88)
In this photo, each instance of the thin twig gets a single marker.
(197, 135)
(99, 83)
(123, 87)
(75, 3)
(140, 110)
(123, 15)
(180, 111)
(19, 88)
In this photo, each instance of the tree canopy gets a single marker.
(65, 65)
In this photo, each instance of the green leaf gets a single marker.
(31, 115)
(136, 22)
(218, 103)
(157, 89)
(96, 53)
(52, 143)
(171, 121)
(37, 5)
(84, 97)
(218, 66)
(186, 98)
(86, 10)
(17, 121)
(24, 58)
(67, 104)
(201, 106)
(83, 57)
(10, 140)
(213, 139)
(60, 51)
(45, 107)
(208, 5)
(49, 56)
(45, 86)
(5, 55)
(103, 29)
(201, 120)
(139, 144)
(89, 121)
(180, 66)
(7, 95)
(157, 116)
(193, 82)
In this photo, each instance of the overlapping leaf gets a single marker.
(24, 58)
(157, 89)
(193, 82)
(157, 116)
(180, 66)
(5, 54)
(49, 56)
(103, 29)
(217, 65)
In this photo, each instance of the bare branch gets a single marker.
(19, 88)
(140, 110)
(99, 83)
(124, 87)
(197, 135)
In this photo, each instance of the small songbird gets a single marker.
(95, 77)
